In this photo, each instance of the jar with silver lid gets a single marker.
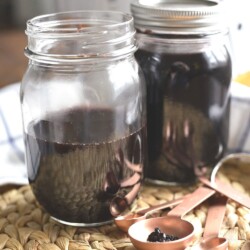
(83, 103)
(184, 53)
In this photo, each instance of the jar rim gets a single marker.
(178, 16)
(70, 23)
(80, 35)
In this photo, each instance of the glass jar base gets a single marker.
(81, 224)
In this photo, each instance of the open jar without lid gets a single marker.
(84, 116)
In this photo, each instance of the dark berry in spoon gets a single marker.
(158, 236)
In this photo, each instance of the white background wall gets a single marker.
(26, 9)
(238, 16)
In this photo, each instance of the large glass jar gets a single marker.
(84, 114)
(184, 54)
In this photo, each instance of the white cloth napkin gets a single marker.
(12, 165)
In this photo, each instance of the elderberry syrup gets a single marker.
(184, 54)
(83, 100)
(76, 181)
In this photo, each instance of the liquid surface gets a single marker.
(77, 165)
(187, 112)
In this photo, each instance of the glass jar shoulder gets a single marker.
(103, 76)
(117, 85)
(162, 59)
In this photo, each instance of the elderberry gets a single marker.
(158, 236)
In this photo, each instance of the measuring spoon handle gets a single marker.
(215, 216)
(192, 201)
(161, 206)
(228, 191)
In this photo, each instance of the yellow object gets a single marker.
(244, 78)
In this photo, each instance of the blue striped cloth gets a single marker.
(12, 165)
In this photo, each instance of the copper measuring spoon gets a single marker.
(215, 215)
(228, 191)
(171, 224)
(124, 222)
(225, 188)
(236, 159)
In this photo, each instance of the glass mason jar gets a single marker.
(185, 56)
(84, 113)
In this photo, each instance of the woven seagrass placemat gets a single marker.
(24, 225)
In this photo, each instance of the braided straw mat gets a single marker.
(24, 225)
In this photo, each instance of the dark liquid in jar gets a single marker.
(187, 111)
(75, 171)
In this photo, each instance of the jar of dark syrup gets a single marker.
(185, 57)
(84, 113)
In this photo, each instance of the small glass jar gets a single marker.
(185, 56)
(84, 114)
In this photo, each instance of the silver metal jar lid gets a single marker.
(177, 16)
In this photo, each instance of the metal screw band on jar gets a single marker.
(166, 16)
